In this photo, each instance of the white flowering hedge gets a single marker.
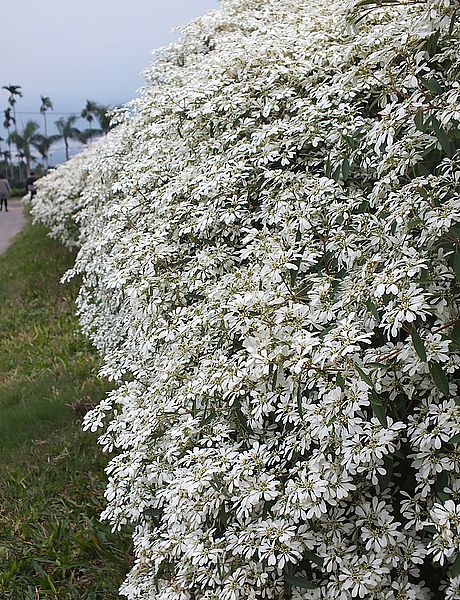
(60, 201)
(270, 253)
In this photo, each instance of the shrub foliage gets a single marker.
(270, 252)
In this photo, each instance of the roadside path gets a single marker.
(11, 223)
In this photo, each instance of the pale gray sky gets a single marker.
(74, 50)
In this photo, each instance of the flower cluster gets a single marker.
(269, 249)
(61, 200)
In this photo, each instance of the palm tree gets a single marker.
(45, 105)
(6, 156)
(88, 113)
(43, 144)
(3, 153)
(25, 141)
(14, 90)
(21, 157)
(6, 159)
(103, 116)
(99, 111)
(68, 131)
(8, 119)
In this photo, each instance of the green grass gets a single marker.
(51, 473)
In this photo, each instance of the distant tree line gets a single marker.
(17, 155)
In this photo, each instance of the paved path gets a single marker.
(11, 223)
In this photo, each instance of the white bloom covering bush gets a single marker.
(270, 261)
(60, 201)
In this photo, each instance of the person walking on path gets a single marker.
(5, 192)
(31, 185)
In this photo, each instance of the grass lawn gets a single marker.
(51, 473)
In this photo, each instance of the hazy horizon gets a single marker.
(95, 50)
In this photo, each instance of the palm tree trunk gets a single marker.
(10, 148)
(28, 158)
(15, 121)
(45, 158)
(66, 148)
(4, 158)
(16, 130)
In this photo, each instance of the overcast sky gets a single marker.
(74, 50)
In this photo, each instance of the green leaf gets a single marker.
(455, 439)
(442, 137)
(51, 584)
(418, 344)
(37, 566)
(455, 569)
(336, 173)
(456, 262)
(373, 309)
(299, 582)
(345, 168)
(442, 481)
(431, 85)
(364, 377)
(443, 496)
(340, 381)
(326, 330)
(455, 335)
(377, 365)
(378, 408)
(452, 21)
(419, 122)
(299, 402)
(374, 2)
(422, 170)
(241, 417)
(206, 419)
(368, 5)
(153, 512)
(223, 516)
(384, 480)
(432, 43)
(328, 167)
(311, 556)
(294, 273)
(439, 377)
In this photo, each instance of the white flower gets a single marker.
(267, 241)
